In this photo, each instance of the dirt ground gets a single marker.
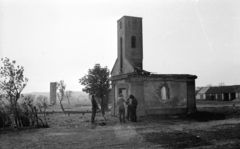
(211, 127)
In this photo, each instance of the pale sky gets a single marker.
(60, 40)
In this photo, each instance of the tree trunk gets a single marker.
(46, 124)
(106, 104)
(68, 101)
(62, 106)
(102, 105)
(19, 124)
(36, 115)
(16, 114)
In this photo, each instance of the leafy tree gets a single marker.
(12, 83)
(69, 96)
(97, 82)
(61, 86)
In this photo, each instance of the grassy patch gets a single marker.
(175, 139)
(202, 115)
(224, 132)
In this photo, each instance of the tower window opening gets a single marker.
(133, 42)
(121, 55)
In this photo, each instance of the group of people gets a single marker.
(131, 104)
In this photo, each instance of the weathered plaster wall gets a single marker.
(137, 90)
(127, 67)
(133, 27)
(177, 91)
(191, 102)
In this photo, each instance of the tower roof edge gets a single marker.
(129, 17)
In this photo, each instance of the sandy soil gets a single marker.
(216, 127)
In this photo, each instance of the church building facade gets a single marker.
(156, 93)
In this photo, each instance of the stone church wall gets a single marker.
(177, 94)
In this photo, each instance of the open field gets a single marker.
(211, 127)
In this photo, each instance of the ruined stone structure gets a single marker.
(156, 93)
(53, 95)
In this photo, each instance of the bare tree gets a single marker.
(33, 114)
(42, 102)
(221, 84)
(209, 85)
(68, 95)
(61, 86)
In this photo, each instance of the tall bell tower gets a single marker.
(130, 41)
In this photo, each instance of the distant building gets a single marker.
(201, 94)
(53, 93)
(219, 93)
(156, 93)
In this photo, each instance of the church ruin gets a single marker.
(156, 93)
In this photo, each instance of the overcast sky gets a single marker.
(60, 40)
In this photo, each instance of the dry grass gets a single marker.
(171, 131)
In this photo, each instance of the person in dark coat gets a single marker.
(129, 108)
(94, 108)
(134, 108)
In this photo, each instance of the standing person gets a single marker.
(121, 108)
(129, 108)
(134, 108)
(94, 108)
